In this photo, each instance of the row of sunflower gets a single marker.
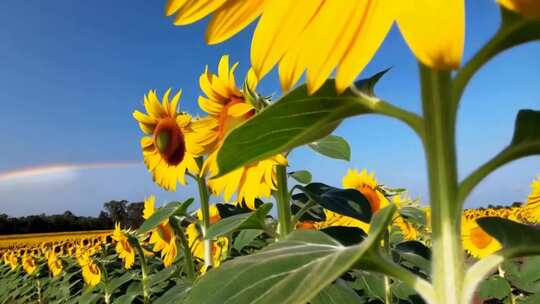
(93, 260)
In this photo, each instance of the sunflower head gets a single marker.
(123, 248)
(476, 241)
(91, 272)
(333, 219)
(162, 237)
(366, 184)
(170, 147)
(54, 263)
(29, 263)
(228, 107)
(531, 209)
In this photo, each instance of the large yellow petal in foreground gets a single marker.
(231, 18)
(195, 10)
(434, 30)
(281, 24)
(378, 17)
(528, 8)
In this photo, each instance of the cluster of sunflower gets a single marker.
(52, 253)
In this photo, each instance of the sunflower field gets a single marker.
(277, 236)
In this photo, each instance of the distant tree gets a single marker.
(117, 211)
(134, 212)
(129, 215)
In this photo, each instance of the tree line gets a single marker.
(128, 214)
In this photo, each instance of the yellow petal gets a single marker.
(173, 6)
(251, 79)
(329, 36)
(240, 109)
(231, 18)
(173, 107)
(292, 65)
(528, 8)
(183, 120)
(376, 23)
(209, 106)
(281, 24)
(434, 30)
(143, 118)
(195, 10)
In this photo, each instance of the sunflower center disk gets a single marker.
(372, 198)
(169, 140)
(480, 238)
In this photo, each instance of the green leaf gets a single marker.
(115, 283)
(512, 235)
(347, 236)
(367, 86)
(163, 213)
(526, 129)
(253, 220)
(525, 142)
(337, 293)
(332, 146)
(161, 276)
(371, 283)
(294, 120)
(293, 270)
(524, 275)
(245, 237)
(174, 295)
(413, 215)
(415, 253)
(126, 298)
(302, 176)
(494, 288)
(402, 290)
(348, 202)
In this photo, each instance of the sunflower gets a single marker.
(123, 247)
(529, 8)
(408, 230)
(12, 260)
(475, 240)
(170, 149)
(90, 270)
(162, 237)
(227, 108)
(531, 209)
(195, 240)
(28, 263)
(367, 185)
(320, 36)
(54, 263)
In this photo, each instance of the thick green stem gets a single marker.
(205, 209)
(144, 269)
(282, 198)
(387, 283)
(439, 119)
(188, 258)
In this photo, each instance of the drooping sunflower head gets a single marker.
(475, 240)
(408, 230)
(162, 237)
(195, 240)
(531, 209)
(29, 263)
(366, 184)
(170, 148)
(91, 272)
(54, 263)
(227, 108)
(13, 261)
(123, 248)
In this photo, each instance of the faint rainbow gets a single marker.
(59, 168)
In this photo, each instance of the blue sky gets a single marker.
(72, 72)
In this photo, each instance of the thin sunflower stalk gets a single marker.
(204, 196)
(144, 267)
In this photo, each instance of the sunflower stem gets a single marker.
(204, 196)
(439, 125)
(387, 283)
(144, 268)
(188, 258)
(282, 198)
